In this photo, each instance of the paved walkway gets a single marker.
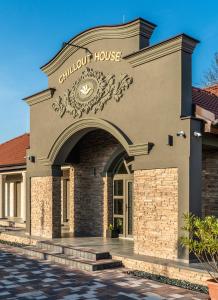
(24, 277)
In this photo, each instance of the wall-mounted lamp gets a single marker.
(181, 133)
(197, 134)
(32, 158)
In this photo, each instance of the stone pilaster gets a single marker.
(156, 212)
(46, 206)
(71, 200)
(108, 203)
(11, 201)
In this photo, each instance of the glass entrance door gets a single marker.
(123, 200)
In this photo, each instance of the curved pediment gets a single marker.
(138, 27)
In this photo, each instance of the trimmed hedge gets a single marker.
(176, 282)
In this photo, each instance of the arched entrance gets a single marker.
(99, 186)
(123, 197)
(78, 196)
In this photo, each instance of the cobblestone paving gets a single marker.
(24, 277)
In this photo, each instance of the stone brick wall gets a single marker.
(156, 212)
(46, 206)
(90, 191)
(108, 203)
(210, 182)
(167, 268)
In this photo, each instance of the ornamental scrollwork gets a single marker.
(91, 92)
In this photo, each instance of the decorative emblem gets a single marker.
(91, 92)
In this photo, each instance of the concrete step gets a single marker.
(70, 260)
(82, 252)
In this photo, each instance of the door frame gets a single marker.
(126, 178)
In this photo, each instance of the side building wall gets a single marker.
(210, 182)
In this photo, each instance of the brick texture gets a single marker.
(91, 190)
(210, 182)
(156, 212)
(171, 270)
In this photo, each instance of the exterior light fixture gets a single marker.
(32, 158)
(197, 134)
(181, 133)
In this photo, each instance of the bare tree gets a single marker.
(211, 76)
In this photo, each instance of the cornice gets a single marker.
(138, 149)
(138, 27)
(40, 97)
(179, 43)
(87, 123)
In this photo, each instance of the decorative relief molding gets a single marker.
(39, 97)
(181, 42)
(138, 27)
(91, 92)
(86, 123)
(132, 150)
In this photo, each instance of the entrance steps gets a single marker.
(75, 257)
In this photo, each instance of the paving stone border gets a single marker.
(13, 244)
(171, 281)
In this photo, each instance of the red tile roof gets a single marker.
(205, 99)
(13, 152)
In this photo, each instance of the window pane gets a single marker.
(121, 169)
(130, 208)
(118, 206)
(118, 224)
(118, 187)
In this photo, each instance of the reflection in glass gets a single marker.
(118, 206)
(121, 169)
(118, 187)
(130, 208)
(118, 224)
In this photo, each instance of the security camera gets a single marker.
(181, 133)
(197, 134)
(31, 158)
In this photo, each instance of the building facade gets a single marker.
(121, 137)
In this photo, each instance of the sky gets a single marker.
(32, 32)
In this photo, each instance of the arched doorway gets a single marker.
(92, 163)
(100, 186)
(123, 197)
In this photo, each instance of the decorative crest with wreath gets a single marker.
(91, 92)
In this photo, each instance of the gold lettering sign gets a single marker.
(97, 56)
